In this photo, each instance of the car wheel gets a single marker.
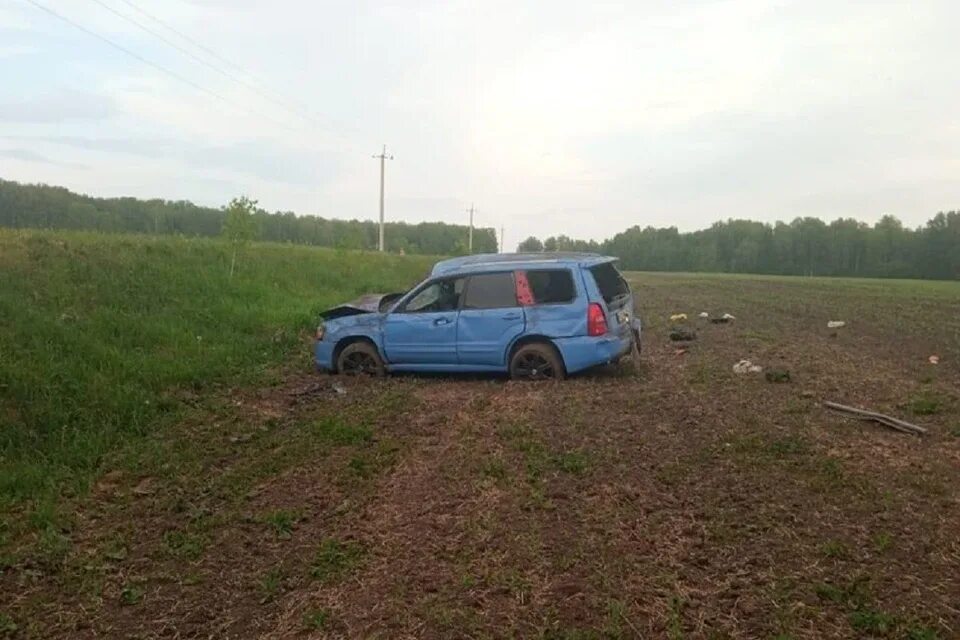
(536, 361)
(360, 359)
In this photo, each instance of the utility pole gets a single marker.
(383, 156)
(470, 235)
(503, 247)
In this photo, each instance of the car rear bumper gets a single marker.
(584, 352)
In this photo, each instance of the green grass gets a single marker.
(336, 430)
(281, 522)
(271, 583)
(926, 404)
(131, 595)
(836, 549)
(316, 619)
(870, 621)
(335, 559)
(7, 626)
(105, 338)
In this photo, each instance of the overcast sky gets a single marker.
(580, 118)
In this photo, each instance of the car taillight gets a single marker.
(596, 321)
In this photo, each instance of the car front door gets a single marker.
(423, 330)
(490, 319)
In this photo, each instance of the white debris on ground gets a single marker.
(728, 316)
(704, 314)
(745, 366)
(934, 359)
(835, 324)
(678, 317)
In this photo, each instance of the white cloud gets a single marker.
(56, 107)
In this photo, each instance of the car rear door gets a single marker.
(423, 330)
(490, 319)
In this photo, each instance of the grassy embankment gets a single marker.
(106, 338)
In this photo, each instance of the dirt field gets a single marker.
(670, 499)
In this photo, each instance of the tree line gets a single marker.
(38, 206)
(805, 246)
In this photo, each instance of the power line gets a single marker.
(154, 65)
(187, 38)
(197, 58)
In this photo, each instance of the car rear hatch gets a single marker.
(616, 296)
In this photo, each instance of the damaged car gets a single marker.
(533, 316)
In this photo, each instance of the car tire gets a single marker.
(360, 358)
(537, 361)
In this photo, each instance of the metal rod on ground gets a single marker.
(893, 423)
(383, 156)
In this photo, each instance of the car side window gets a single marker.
(551, 286)
(491, 291)
(440, 295)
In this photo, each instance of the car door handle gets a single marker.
(511, 316)
(440, 321)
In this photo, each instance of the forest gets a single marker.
(36, 206)
(805, 246)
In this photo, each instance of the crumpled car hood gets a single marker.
(369, 303)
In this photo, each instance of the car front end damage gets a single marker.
(360, 318)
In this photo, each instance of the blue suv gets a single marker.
(534, 316)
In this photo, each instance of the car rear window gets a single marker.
(490, 291)
(609, 281)
(551, 286)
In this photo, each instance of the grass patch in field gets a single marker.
(494, 468)
(881, 541)
(370, 461)
(675, 619)
(271, 583)
(316, 619)
(835, 549)
(926, 404)
(131, 594)
(866, 619)
(334, 559)
(52, 548)
(338, 431)
(853, 594)
(572, 462)
(281, 522)
(919, 632)
(7, 626)
(789, 446)
(872, 621)
(829, 474)
(184, 544)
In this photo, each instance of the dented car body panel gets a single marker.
(472, 312)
